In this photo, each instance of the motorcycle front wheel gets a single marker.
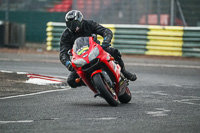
(105, 91)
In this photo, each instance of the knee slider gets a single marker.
(72, 83)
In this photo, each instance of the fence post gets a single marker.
(172, 13)
(147, 13)
(158, 11)
(7, 11)
(181, 13)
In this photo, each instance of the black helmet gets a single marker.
(73, 20)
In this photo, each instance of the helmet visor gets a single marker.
(73, 24)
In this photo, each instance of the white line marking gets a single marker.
(37, 93)
(162, 65)
(188, 101)
(103, 118)
(160, 93)
(5, 71)
(22, 73)
(21, 121)
(28, 60)
(159, 112)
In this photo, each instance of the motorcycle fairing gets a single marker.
(80, 51)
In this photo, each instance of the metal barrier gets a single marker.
(138, 39)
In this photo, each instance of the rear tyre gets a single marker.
(108, 94)
(126, 97)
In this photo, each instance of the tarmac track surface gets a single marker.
(166, 97)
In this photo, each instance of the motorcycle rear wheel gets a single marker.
(126, 97)
(103, 88)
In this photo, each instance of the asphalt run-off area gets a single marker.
(34, 96)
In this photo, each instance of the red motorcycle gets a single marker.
(99, 71)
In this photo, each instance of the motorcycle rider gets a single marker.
(79, 27)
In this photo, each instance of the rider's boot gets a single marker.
(126, 73)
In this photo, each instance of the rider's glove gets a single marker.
(105, 44)
(69, 66)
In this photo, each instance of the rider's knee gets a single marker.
(72, 83)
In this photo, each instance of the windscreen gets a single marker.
(81, 45)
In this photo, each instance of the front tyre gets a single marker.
(106, 92)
